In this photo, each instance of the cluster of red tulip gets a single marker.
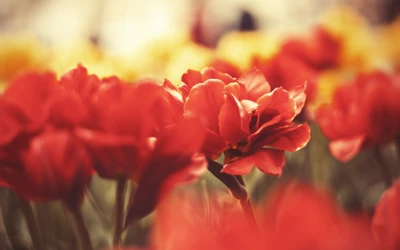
(56, 133)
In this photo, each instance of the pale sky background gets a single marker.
(125, 25)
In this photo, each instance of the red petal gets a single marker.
(233, 120)
(56, 166)
(279, 100)
(12, 121)
(35, 106)
(205, 101)
(114, 155)
(173, 162)
(289, 138)
(241, 166)
(214, 145)
(345, 149)
(78, 81)
(267, 160)
(385, 226)
(255, 84)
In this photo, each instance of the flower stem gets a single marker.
(83, 234)
(119, 211)
(246, 206)
(385, 169)
(33, 227)
(248, 212)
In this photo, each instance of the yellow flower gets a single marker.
(328, 82)
(359, 45)
(241, 48)
(20, 53)
(190, 56)
(390, 43)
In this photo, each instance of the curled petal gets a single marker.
(345, 149)
(267, 160)
(279, 100)
(289, 138)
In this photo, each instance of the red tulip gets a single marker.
(246, 121)
(54, 166)
(364, 113)
(385, 224)
(127, 118)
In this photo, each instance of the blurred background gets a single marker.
(120, 26)
(136, 38)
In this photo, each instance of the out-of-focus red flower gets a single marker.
(385, 224)
(364, 113)
(319, 51)
(225, 67)
(296, 216)
(174, 159)
(299, 216)
(300, 60)
(54, 166)
(128, 116)
(142, 135)
(39, 157)
(290, 73)
(245, 120)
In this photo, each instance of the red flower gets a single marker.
(128, 115)
(364, 113)
(246, 121)
(319, 51)
(54, 166)
(291, 73)
(300, 60)
(39, 157)
(296, 216)
(173, 160)
(385, 224)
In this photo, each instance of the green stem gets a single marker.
(33, 227)
(83, 234)
(119, 211)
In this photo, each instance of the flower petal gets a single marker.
(174, 161)
(255, 84)
(279, 100)
(205, 101)
(267, 160)
(233, 120)
(289, 138)
(345, 149)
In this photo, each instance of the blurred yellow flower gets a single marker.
(328, 82)
(18, 54)
(190, 56)
(389, 41)
(359, 44)
(241, 48)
